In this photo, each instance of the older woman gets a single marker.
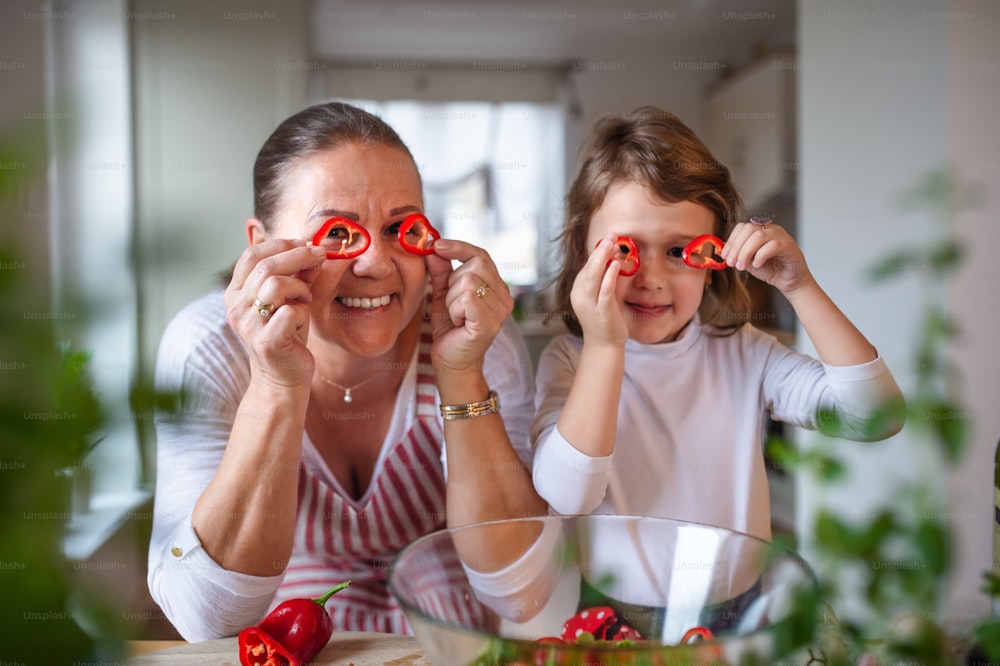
(337, 404)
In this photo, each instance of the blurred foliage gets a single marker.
(903, 553)
(49, 420)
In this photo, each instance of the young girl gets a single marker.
(656, 404)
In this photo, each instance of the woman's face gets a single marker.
(662, 297)
(360, 304)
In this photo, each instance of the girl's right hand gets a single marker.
(280, 274)
(593, 296)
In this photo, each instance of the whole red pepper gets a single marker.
(291, 634)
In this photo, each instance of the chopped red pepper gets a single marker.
(342, 238)
(702, 633)
(703, 252)
(628, 254)
(291, 635)
(417, 235)
(601, 623)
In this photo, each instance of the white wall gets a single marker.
(622, 82)
(880, 106)
(974, 100)
(212, 81)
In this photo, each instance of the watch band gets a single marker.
(489, 406)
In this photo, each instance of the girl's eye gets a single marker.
(676, 252)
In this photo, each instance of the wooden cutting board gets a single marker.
(346, 648)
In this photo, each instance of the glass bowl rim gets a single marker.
(776, 551)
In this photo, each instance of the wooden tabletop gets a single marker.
(345, 648)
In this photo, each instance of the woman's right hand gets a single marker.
(280, 273)
(593, 297)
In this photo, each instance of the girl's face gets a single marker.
(662, 297)
(360, 304)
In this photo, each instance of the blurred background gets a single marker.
(136, 123)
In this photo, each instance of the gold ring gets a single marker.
(263, 309)
(483, 290)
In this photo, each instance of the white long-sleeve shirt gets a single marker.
(337, 537)
(690, 425)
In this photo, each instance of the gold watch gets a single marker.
(489, 406)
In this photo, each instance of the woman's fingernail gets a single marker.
(317, 251)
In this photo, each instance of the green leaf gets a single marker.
(987, 635)
(991, 584)
(828, 422)
(783, 453)
(949, 425)
(886, 418)
(931, 540)
(895, 264)
(828, 468)
(878, 531)
(832, 533)
(946, 257)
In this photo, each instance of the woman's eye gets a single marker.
(393, 229)
(338, 232)
(676, 252)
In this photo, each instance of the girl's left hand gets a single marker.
(768, 253)
(468, 305)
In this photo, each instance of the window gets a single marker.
(90, 229)
(493, 175)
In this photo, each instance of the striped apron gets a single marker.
(337, 539)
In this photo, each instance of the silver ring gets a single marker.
(483, 290)
(265, 310)
(761, 222)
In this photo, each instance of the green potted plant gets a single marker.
(76, 401)
(902, 553)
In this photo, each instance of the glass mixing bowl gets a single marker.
(487, 593)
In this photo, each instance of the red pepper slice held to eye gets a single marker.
(628, 254)
(703, 252)
(291, 635)
(417, 235)
(342, 238)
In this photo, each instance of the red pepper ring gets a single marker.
(701, 633)
(417, 235)
(628, 254)
(342, 238)
(703, 252)
(291, 635)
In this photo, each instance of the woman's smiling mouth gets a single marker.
(364, 303)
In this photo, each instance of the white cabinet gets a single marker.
(751, 128)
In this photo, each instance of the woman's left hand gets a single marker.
(769, 253)
(468, 305)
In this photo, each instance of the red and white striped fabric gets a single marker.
(337, 540)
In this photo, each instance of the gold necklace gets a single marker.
(347, 390)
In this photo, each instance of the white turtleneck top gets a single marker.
(691, 421)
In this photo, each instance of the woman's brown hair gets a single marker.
(655, 149)
(312, 130)
(306, 133)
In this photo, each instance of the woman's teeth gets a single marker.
(364, 303)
